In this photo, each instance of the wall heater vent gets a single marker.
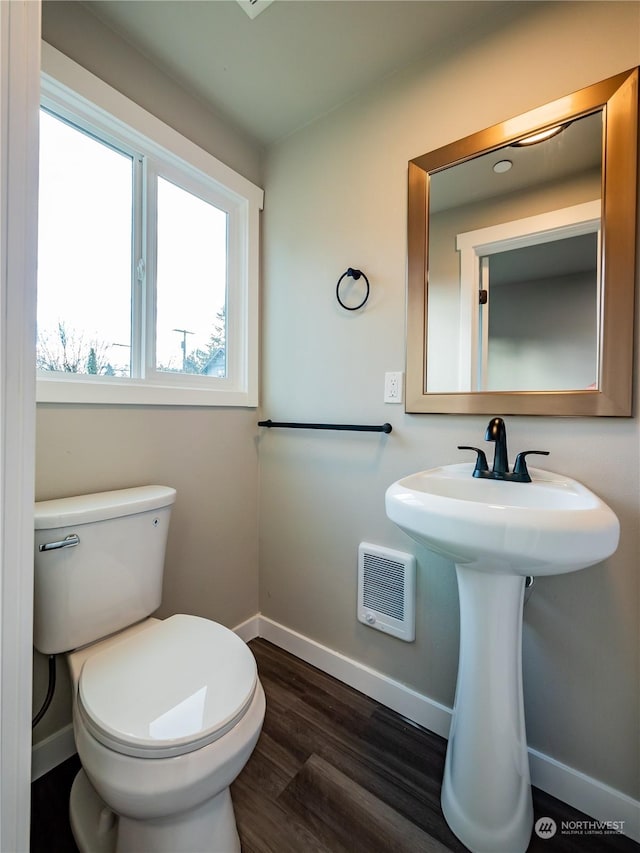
(387, 590)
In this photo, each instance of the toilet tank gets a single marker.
(99, 562)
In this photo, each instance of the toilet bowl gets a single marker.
(157, 770)
(166, 712)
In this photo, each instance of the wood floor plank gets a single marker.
(333, 772)
(414, 792)
(350, 817)
(412, 759)
(302, 679)
(271, 770)
(265, 826)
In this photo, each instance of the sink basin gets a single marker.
(496, 532)
(549, 526)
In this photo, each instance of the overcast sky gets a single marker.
(84, 254)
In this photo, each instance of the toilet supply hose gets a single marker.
(50, 690)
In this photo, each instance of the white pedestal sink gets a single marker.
(496, 533)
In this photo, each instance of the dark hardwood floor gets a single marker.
(333, 772)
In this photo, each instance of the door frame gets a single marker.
(19, 103)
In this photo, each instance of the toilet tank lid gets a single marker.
(100, 506)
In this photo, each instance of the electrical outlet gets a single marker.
(394, 387)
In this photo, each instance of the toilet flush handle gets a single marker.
(68, 542)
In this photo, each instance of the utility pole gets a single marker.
(183, 346)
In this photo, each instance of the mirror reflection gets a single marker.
(514, 266)
(521, 244)
(542, 324)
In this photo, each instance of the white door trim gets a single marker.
(19, 102)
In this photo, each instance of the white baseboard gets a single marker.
(584, 793)
(383, 689)
(52, 751)
(249, 629)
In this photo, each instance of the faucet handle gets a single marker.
(520, 467)
(481, 459)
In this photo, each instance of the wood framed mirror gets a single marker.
(521, 262)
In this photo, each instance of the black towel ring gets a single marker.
(355, 275)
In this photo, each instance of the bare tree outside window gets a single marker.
(70, 351)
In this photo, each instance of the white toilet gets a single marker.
(165, 712)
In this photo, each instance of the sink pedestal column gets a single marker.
(486, 792)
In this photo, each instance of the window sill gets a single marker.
(132, 392)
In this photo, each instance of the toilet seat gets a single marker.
(167, 690)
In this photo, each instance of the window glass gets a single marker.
(84, 253)
(191, 283)
(148, 289)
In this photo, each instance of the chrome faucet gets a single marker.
(497, 432)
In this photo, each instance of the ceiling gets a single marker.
(577, 151)
(298, 59)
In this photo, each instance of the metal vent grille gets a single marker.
(386, 590)
(383, 585)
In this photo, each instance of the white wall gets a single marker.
(543, 334)
(336, 197)
(208, 455)
(71, 28)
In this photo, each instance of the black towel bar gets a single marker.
(353, 427)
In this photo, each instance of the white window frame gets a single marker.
(74, 93)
